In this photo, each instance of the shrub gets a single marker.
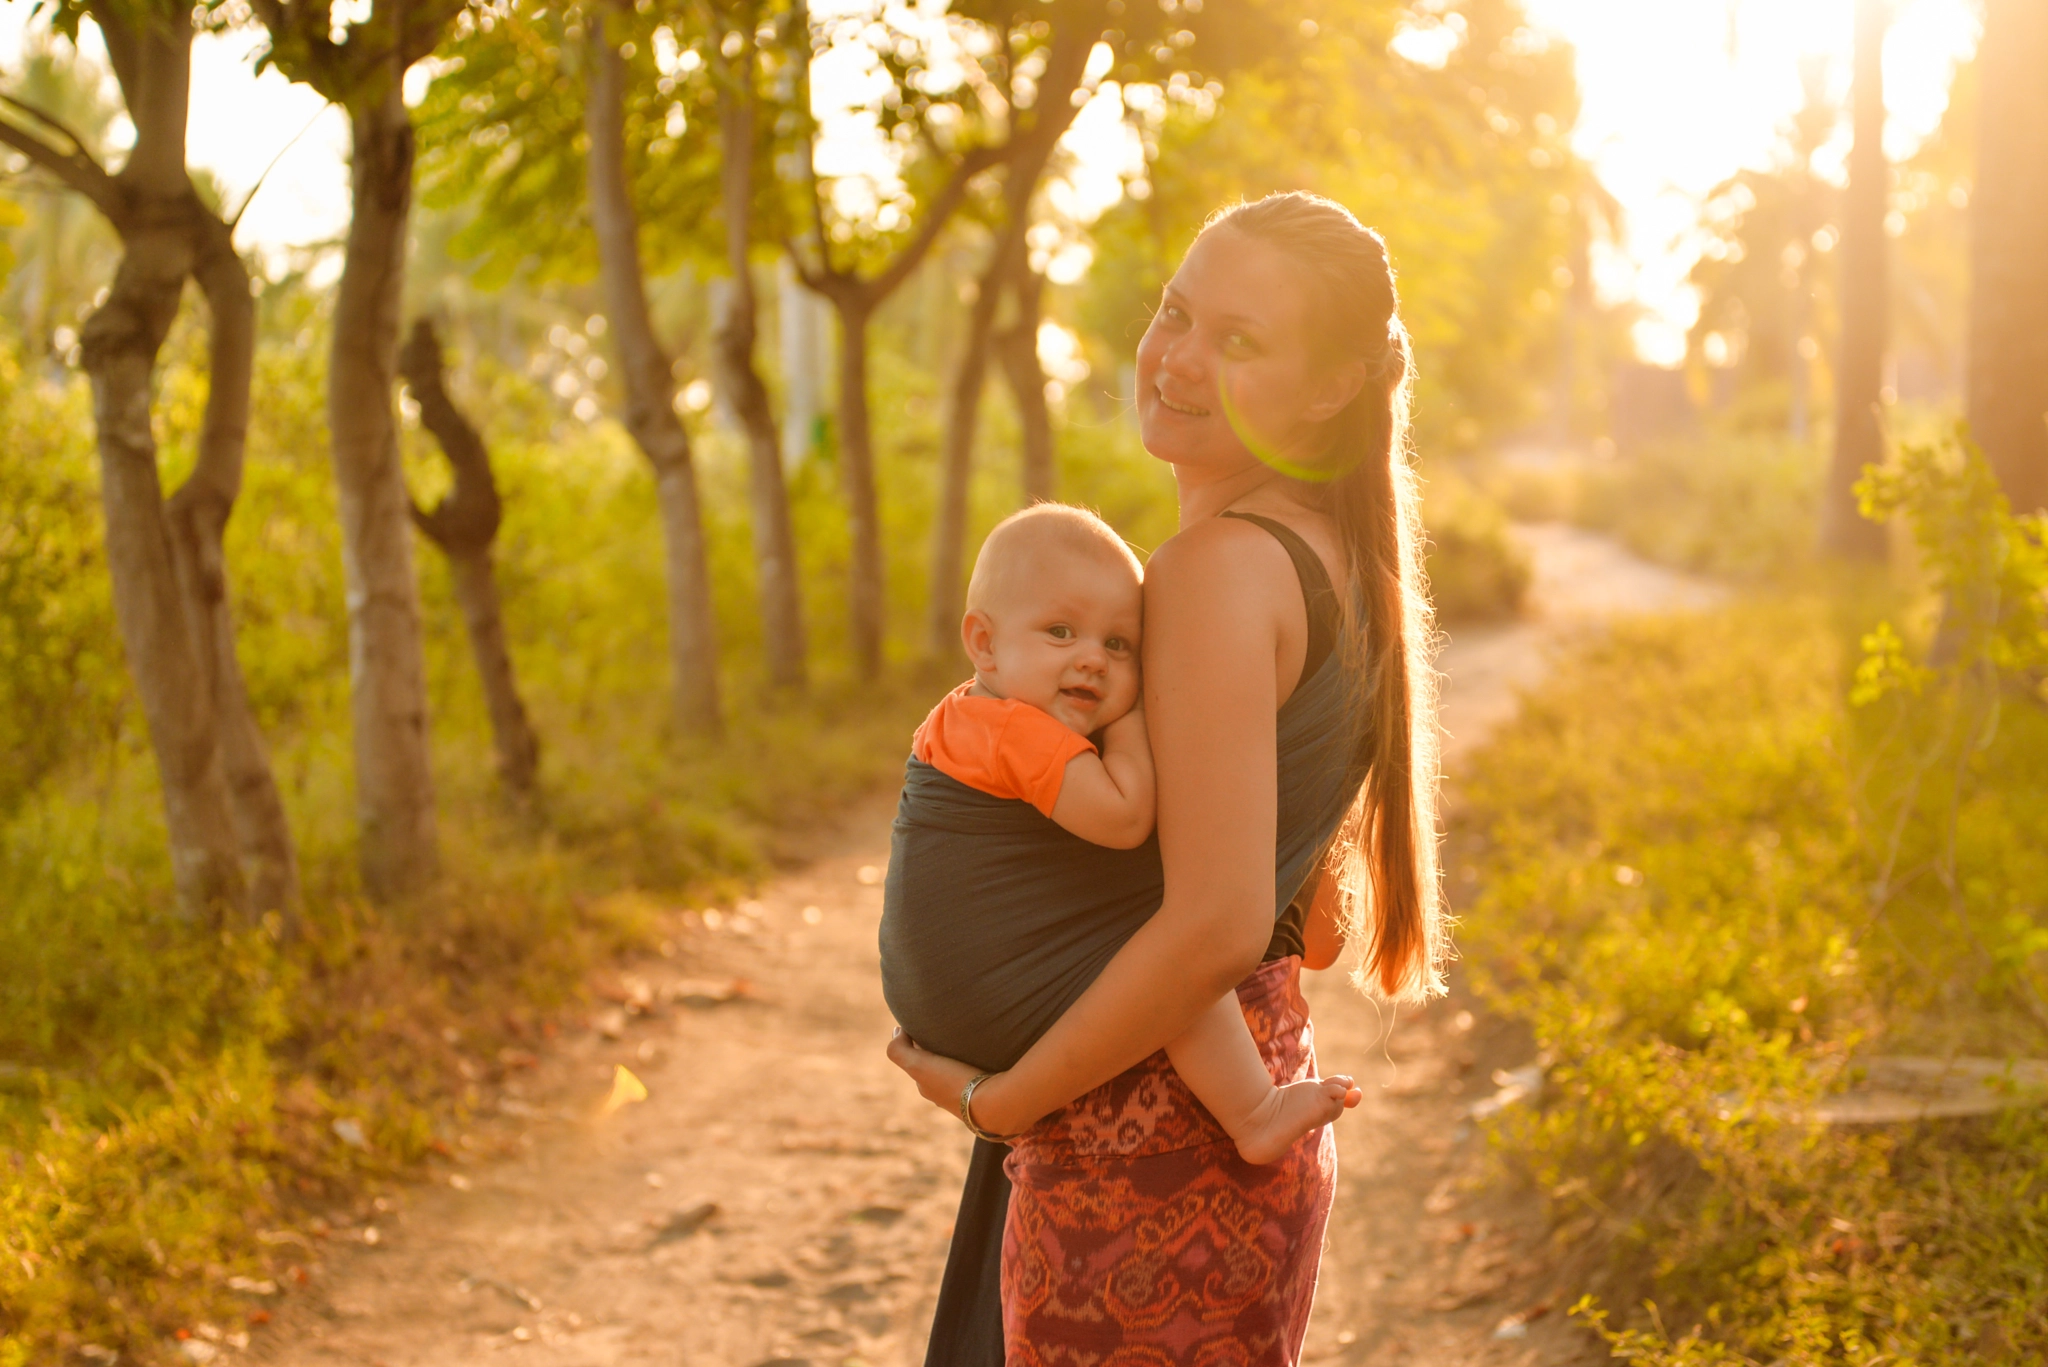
(1725, 856)
(1477, 571)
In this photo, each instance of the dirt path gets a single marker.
(781, 1197)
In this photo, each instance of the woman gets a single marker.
(1294, 732)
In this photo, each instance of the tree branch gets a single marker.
(943, 206)
(76, 169)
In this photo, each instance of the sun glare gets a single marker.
(1680, 94)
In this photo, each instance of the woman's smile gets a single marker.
(1184, 409)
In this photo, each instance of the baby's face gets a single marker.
(1064, 638)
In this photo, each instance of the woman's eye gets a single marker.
(1237, 341)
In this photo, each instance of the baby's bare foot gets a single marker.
(1290, 1112)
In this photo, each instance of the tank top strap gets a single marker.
(1318, 597)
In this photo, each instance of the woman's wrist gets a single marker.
(995, 1106)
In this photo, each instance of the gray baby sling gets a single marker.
(995, 919)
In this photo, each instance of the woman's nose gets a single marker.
(1182, 360)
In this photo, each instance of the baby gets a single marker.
(1054, 613)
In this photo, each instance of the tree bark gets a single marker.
(151, 205)
(650, 394)
(1859, 440)
(1017, 347)
(855, 298)
(387, 673)
(733, 341)
(464, 525)
(120, 342)
(857, 471)
(198, 514)
(2007, 384)
(1050, 115)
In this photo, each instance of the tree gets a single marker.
(221, 802)
(651, 414)
(573, 141)
(2007, 383)
(1764, 290)
(859, 277)
(1016, 348)
(1859, 374)
(363, 71)
(463, 525)
(1039, 108)
(736, 60)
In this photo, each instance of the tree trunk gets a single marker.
(387, 673)
(1859, 440)
(152, 207)
(464, 525)
(198, 514)
(857, 470)
(518, 748)
(733, 340)
(956, 456)
(650, 394)
(120, 343)
(2007, 387)
(1017, 347)
(1051, 114)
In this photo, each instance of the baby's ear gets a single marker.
(977, 634)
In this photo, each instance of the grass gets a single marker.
(1682, 856)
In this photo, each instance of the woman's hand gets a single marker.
(939, 1079)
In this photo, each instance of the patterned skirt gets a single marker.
(1138, 1238)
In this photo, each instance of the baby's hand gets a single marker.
(1128, 731)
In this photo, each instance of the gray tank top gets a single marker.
(994, 919)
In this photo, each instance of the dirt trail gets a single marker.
(782, 1197)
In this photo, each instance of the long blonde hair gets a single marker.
(1385, 852)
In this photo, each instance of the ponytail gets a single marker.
(1384, 856)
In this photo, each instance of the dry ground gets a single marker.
(783, 1197)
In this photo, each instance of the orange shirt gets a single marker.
(1000, 746)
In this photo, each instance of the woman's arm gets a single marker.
(1215, 597)
(1323, 935)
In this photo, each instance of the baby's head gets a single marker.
(1053, 615)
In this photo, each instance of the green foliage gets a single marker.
(1466, 171)
(1711, 881)
(1476, 569)
(57, 639)
(1736, 506)
(167, 1093)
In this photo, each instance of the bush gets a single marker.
(1477, 571)
(1722, 858)
(1739, 506)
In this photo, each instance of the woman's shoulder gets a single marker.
(1219, 554)
(1216, 552)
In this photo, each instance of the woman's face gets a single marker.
(1236, 318)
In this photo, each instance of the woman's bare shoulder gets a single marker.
(1218, 559)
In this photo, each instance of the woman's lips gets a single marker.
(1185, 410)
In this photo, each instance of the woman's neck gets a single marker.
(1204, 496)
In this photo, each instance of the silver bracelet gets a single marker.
(967, 1110)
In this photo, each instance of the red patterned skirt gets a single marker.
(1138, 1238)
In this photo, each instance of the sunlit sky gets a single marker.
(1677, 95)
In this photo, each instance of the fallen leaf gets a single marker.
(626, 1090)
(684, 1223)
(349, 1131)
